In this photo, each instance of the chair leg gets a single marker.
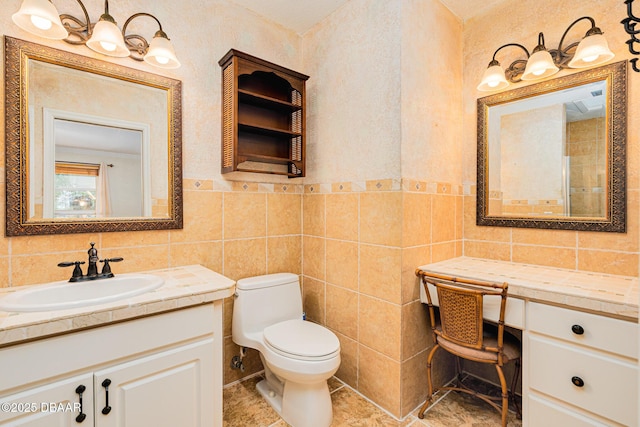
(505, 395)
(429, 383)
(458, 372)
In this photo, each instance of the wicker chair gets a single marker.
(461, 332)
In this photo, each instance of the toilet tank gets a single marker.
(262, 301)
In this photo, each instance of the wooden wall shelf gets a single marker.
(263, 116)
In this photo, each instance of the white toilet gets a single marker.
(298, 356)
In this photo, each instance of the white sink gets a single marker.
(63, 295)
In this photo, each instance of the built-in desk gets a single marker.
(578, 328)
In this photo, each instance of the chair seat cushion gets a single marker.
(511, 349)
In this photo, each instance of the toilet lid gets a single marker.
(301, 338)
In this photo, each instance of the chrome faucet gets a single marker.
(92, 270)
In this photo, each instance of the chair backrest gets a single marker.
(461, 307)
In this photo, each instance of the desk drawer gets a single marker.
(600, 332)
(610, 384)
(544, 413)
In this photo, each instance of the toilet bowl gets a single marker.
(298, 356)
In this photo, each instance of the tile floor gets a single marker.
(244, 407)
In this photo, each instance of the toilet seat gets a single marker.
(299, 339)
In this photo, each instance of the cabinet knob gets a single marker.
(577, 381)
(577, 329)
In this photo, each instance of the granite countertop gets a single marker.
(606, 294)
(183, 287)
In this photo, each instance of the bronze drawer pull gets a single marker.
(81, 416)
(577, 381)
(106, 383)
(577, 329)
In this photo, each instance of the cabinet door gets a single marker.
(167, 389)
(52, 405)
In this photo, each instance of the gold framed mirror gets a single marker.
(91, 146)
(553, 154)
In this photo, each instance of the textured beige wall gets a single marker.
(512, 22)
(533, 141)
(353, 95)
(383, 194)
(431, 78)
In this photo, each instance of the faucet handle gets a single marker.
(106, 269)
(77, 271)
(69, 263)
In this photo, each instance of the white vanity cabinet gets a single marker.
(161, 370)
(581, 368)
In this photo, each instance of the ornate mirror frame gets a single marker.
(17, 55)
(614, 219)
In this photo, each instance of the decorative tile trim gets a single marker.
(241, 186)
(387, 184)
(317, 189)
(444, 188)
(341, 187)
(469, 189)
(381, 185)
(390, 184)
(249, 187)
(413, 185)
(287, 188)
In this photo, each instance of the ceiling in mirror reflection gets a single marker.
(72, 134)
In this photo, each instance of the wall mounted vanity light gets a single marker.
(592, 50)
(630, 27)
(40, 17)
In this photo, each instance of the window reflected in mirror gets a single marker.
(75, 190)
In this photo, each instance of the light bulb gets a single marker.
(538, 72)
(590, 58)
(161, 53)
(493, 83)
(108, 46)
(162, 60)
(41, 23)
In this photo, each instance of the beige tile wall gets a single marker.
(361, 245)
(235, 228)
(612, 253)
(238, 229)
